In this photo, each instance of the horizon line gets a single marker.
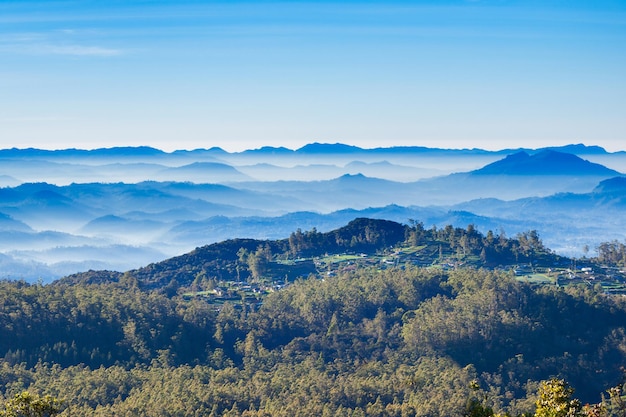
(294, 150)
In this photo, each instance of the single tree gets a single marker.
(31, 405)
(555, 400)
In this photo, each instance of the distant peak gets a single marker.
(214, 149)
(544, 162)
(118, 151)
(517, 156)
(578, 149)
(612, 185)
(328, 148)
(352, 176)
(269, 150)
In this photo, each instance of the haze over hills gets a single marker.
(80, 209)
(131, 164)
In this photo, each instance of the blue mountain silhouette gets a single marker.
(546, 162)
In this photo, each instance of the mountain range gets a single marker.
(120, 208)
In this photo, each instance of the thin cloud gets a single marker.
(37, 44)
(79, 50)
(52, 49)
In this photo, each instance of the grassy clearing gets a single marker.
(536, 279)
(410, 250)
(340, 258)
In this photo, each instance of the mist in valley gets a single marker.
(63, 212)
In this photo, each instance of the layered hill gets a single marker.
(545, 162)
(290, 258)
(320, 186)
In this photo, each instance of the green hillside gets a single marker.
(374, 319)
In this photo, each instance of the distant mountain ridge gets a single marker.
(116, 151)
(546, 162)
(206, 172)
(612, 185)
(314, 148)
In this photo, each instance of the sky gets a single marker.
(490, 74)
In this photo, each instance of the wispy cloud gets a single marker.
(39, 48)
(77, 50)
(62, 42)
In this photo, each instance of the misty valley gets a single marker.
(326, 281)
(68, 211)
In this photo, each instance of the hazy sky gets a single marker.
(196, 74)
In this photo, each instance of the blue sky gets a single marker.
(196, 74)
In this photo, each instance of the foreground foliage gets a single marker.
(26, 404)
(397, 342)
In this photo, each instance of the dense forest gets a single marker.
(398, 341)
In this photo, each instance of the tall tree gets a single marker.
(26, 404)
(555, 400)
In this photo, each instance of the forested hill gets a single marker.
(395, 342)
(370, 332)
(241, 259)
